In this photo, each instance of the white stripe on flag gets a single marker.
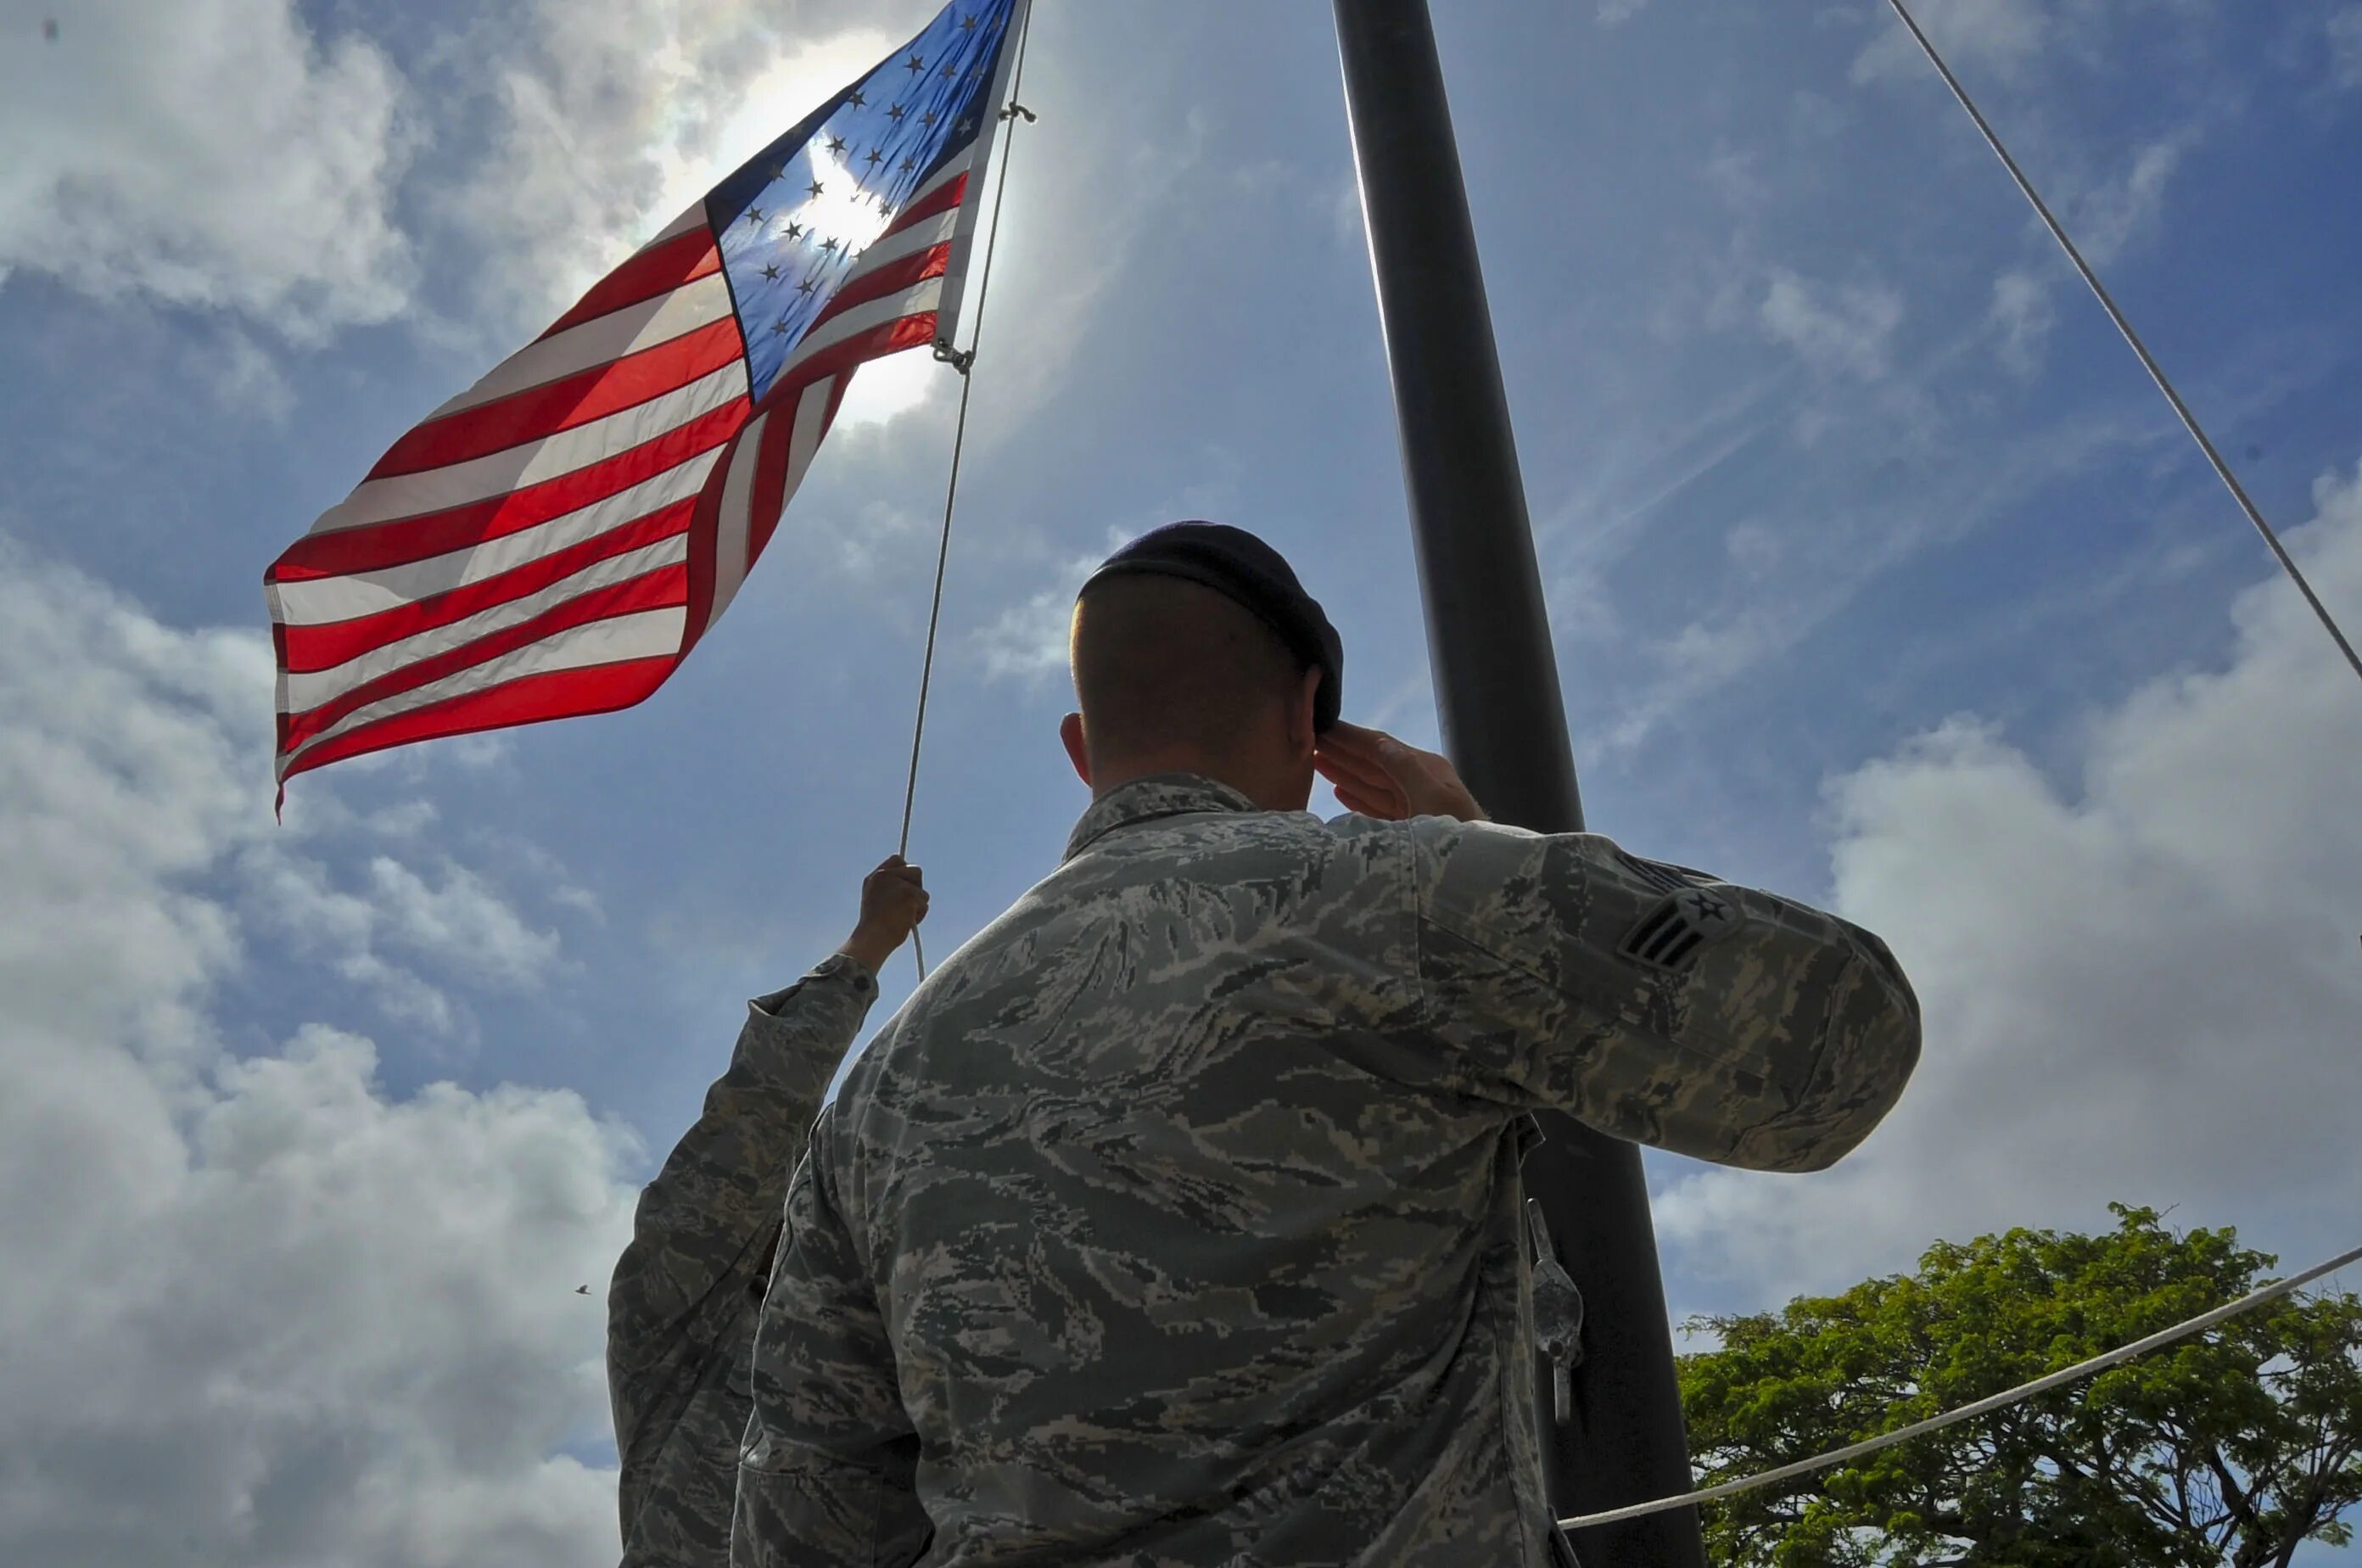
(305, 692)
(602, 339)
(918, 298)
(735, 513)
(321, 601)
(498, 473)
(648, 634)
(923, 235)
(980, 151)
(812, 415)
(942, 177)
(803, 440)
(679, 226)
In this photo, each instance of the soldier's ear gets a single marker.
(1070, 730)
(1303, 738)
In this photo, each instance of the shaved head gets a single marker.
(1173, 676)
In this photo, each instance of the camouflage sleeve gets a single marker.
(828, 1474)
(1655, 1003)
(704, 1224)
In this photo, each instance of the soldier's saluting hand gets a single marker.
(1378, 776)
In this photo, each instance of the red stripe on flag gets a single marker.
(942, 199)
(894, 276)
(376, 546)
(871, 343)
(658, 589)
(528, 700)
(543, 411)
(303, 649)
(840, 359)
(703, 527)
(760, 527)
(766, 494)
(657, 270)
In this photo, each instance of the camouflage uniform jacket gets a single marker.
(680, 1313)
(1174, 1220)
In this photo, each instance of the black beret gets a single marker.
(1237, 565)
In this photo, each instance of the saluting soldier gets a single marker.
(680, 1312)
(1176, 1219)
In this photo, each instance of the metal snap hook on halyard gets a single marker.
(1558, 1314)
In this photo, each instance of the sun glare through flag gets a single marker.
(554, 540)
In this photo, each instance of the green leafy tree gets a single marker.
(2233, 1447)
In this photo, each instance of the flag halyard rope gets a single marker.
(964, 362)
(2042, 1385)
(2149, 362)
(2205, 1320)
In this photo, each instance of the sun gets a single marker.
(691, 147)
(882, 388)
(842, 211)
(697, 152)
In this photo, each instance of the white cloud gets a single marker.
(2000, 36)
(205, 152)
(133, 756)
(1345, 215)
(616, 118)
(278, 1319)
(2022, 313)
(1028, 640)
(2005, 44)
(2109, 215)
(463, 923)
(895, 384)
(1736, 175)
(120, 775)
(2141, 988)
(267, 1315)
(1834, 546)
(294, 897)
(1080, 208)
(2345, 30)
(876, 534)
(1615, 11)
(460, 925)
(1707, 652)
(1837, 327)
(244, 376)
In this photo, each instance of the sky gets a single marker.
(1878, 574)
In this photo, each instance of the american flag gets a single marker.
(555, 539)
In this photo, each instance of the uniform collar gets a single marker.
(1156, 795)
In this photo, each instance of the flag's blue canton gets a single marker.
(793, 219)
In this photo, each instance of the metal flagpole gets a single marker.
(1621, 1440)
